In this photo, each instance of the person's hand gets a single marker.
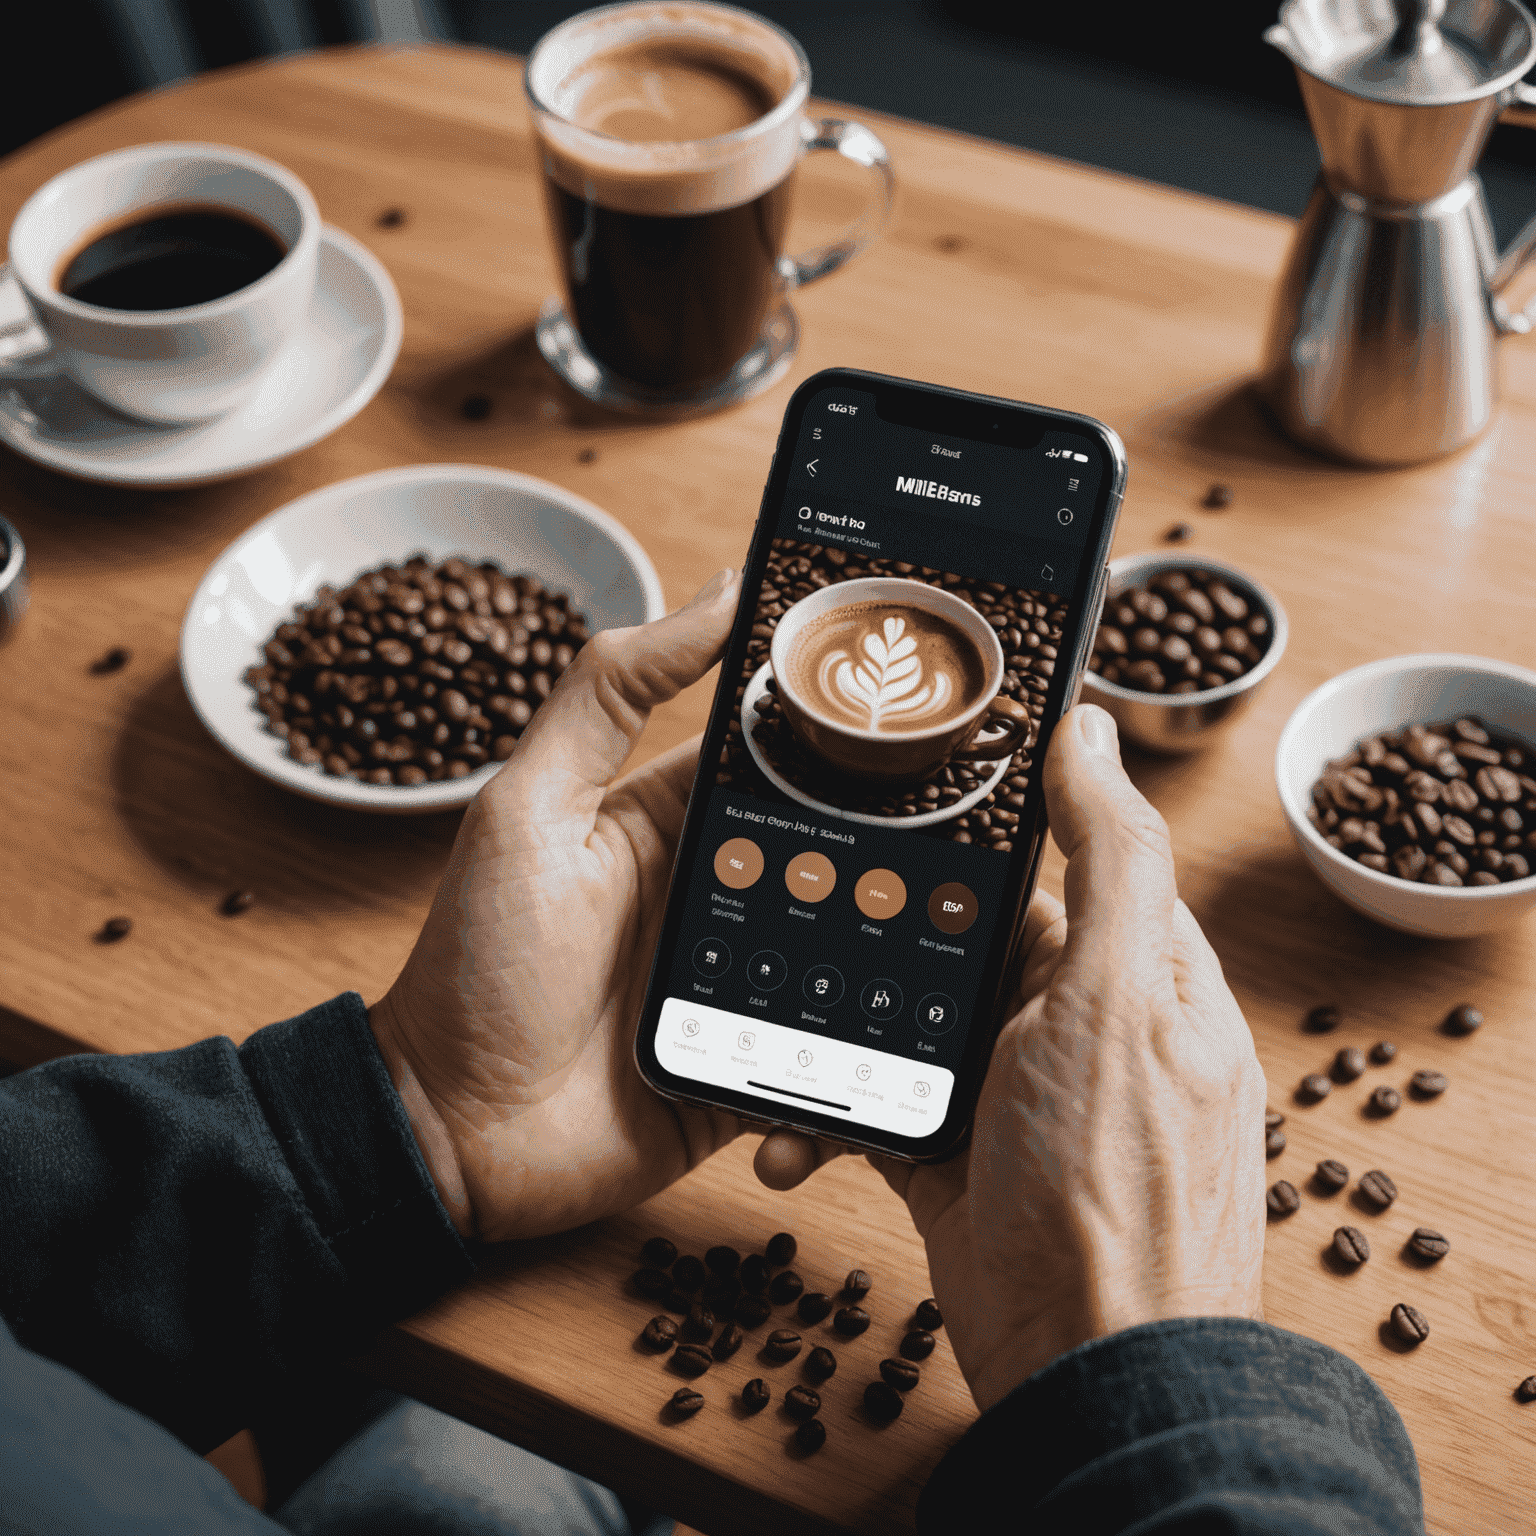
(509, 1033)
(1115, 1175)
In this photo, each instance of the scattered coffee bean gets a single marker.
(753, 1274)
(1349, 1064)
(686, 1402)
(722, 1261)
(882, 1402)
(1350, 1246)
(1313, 1088)
(821, 1365)
(811, 1436)
(781, 1248)
(1282, 1198)
(1273, 1120)
(1218, 498)
(1428, 1244)
(699, 1324)
(1383, 1052)
(851, 1321)
(901, 1374)
(391, 218)
(1377, 1188)
(659, 1334)
(755, 1396)
(783, 1344)
(1463, 1020)
(1428, 1084)
(814, 1306)
(1385, 1100)
(1409, 1323)
(688, 1273)
(1322, 1019)
(928, 1315)
(1179, 533)
(113, 929)
(1331, 1175)
(721, 1293)
(691, 1359)
(475, 407)
(1526, 1391)
(857, 1286)
(675, 1301)
(917, 1345)
(651, 1282)
(587, 456)
(785, 1287)
(114, 661)
(753, 1311)
(729, 1342)
(1274, 1143)
(237, 902)
(802, 1403)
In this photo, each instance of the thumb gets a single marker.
(1120, 889)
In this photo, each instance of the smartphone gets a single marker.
(864, 832)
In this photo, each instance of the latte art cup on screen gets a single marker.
(874, 706)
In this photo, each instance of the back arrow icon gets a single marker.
(811, 467)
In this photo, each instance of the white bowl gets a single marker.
(334, 534)
(1385, 696)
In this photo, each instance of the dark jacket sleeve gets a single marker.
(1194, 1427)
(183, 1229)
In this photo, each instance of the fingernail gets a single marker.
(1097, 727)
(711, 591)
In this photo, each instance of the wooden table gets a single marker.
(1003, 272)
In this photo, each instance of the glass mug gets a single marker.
(669, 134)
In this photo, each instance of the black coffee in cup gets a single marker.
(170, 257)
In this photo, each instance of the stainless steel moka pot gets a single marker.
(1384, 344)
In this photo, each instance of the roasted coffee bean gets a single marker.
(1274, 1143)
(1331, 1175)
(688, 1273)
(781, 1248)
(918, 1344)
(857, 1286)
(1350, 1246)
(659, 1334)
(1462, 1020)
(721, 1293)
(699, 1324)
(814, 1306)
(753, 1274)
(675, 1301)
(882, 1402)
(782, 1344)
(811, 1436)
(1409, 1324)
(1383, 1052)
(692, 1359)
(722, 1261)
(755, 1396)
(237, 902)
(1313, 1088)
(785, 1287)
(659, 1252)
(113, 929)
(651, 1282)
(820, 1364)
(1179, 533)
(391, 218)
(802, 1403)
(1323, 1018)
(1385, 1100)
(475, 407)
(1377, 1188)
(685, 1402)
(1428, 1084)
(851, 1321)
(1349, 1064)
(928, 1315)
(730, 1340)
(1273, 1119)
(1526, 1391)
(1218, 498)
(901, 1374)
(1428, 1244)
(1282, 1198)
(753, 1311)
(114, 661)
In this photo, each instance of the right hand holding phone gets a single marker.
(1115, 1175)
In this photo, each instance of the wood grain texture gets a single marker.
(1001, 272)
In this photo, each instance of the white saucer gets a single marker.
(324, 377)
(758, 687)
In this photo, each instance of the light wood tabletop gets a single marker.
(1002, 272)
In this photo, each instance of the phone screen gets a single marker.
(853, 860)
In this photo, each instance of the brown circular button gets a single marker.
(810, 877)
(739, 863)
(952, 907)
(880, 893)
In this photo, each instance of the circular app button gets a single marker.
(880, 893)
(738, 863)
(881, 999)
(936, 1014)
(862, 1071)
(766, 970)
(952, 907)
(711, 958)
(810, 877)
(823, 985)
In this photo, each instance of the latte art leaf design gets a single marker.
(886, 686)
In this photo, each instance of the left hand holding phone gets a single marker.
(508, 1033)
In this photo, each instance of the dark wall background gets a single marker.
(1187, 94)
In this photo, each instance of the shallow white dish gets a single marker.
(331, 535)
(335, 365)
(1385, 696)
(749, 700)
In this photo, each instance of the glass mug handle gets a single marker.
(1018, 733)
(21, 358)
(854, 142)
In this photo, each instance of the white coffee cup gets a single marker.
(169, 365)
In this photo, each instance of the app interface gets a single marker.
(856, 841)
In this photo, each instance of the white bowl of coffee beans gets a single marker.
(1182, 648)
(1410, 788)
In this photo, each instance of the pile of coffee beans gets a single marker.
(1029, 627)
(1446, 804)
(733, 1293)
(1185, 631)
(415, 673)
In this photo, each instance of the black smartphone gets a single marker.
(866, 825)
